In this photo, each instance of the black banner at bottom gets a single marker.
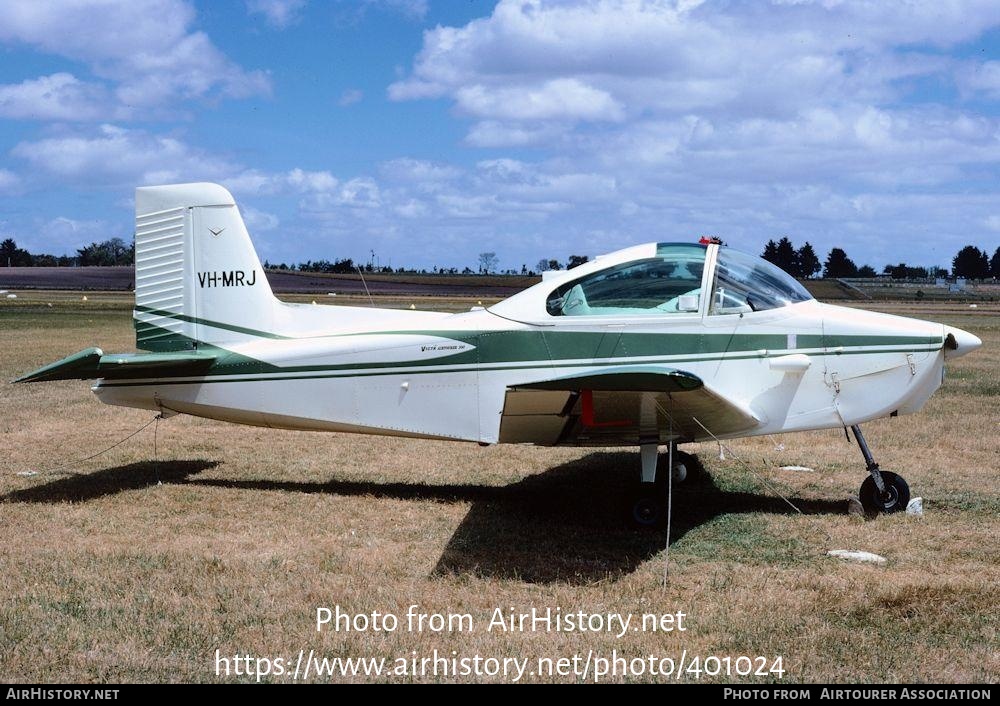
(128, 693)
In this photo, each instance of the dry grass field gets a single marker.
(138, 567)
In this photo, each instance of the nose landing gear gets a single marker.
(882, 491)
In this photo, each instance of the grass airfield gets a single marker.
(135, 566)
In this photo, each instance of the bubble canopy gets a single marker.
(649, 286)
(671, 279)
(747, 283)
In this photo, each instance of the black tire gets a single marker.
(696, 472)
(647, 511)
(896, 498)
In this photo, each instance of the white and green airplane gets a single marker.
(657, 344)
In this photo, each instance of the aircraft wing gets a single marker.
(623, 404)
(94, 363)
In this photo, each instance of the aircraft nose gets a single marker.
(958, 342)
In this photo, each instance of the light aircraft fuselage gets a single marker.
(655, 344)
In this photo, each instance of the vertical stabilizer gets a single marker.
(197, 276)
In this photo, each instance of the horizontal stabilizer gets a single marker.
(625, 378)
(69, 368)
(93, 363)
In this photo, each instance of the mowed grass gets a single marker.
(137, 567)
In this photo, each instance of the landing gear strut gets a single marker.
(649, 508)
(882, 491)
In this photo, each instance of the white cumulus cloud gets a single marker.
(112, 154)
(258, 221)
(9, 181)
(64, 235)
(828, 121)
(294, 181)
(59, 96)
(568, 99)
(145, 50)
(278, 13)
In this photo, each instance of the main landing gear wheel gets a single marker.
(649, 508)
(688, 468)
(647, 511)
(895, 498)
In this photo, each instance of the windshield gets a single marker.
(745, 283)
(669, 283)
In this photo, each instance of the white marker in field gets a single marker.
(859, 556)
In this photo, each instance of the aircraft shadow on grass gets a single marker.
(573, 523)
(81, 487)
(568, 524)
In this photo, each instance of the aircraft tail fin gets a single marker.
(198, 279)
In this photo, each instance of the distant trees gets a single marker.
(971, 262)
(109, 252)
(802, 263)
(488, 261)
(782, 254)
(904, 271)
(839, 265)
(808, 263)
(340, 267)
(13, 256)
(771, 252)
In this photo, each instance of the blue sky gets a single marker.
(430, 131)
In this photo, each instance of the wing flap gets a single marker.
(94, 363)
(623, 405)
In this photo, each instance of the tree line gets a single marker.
(109, 252)
(116, 251)
(488, 264)
(803, 263)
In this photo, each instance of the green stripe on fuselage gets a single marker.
(205, 322)
(320, 373)
(548, 348)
